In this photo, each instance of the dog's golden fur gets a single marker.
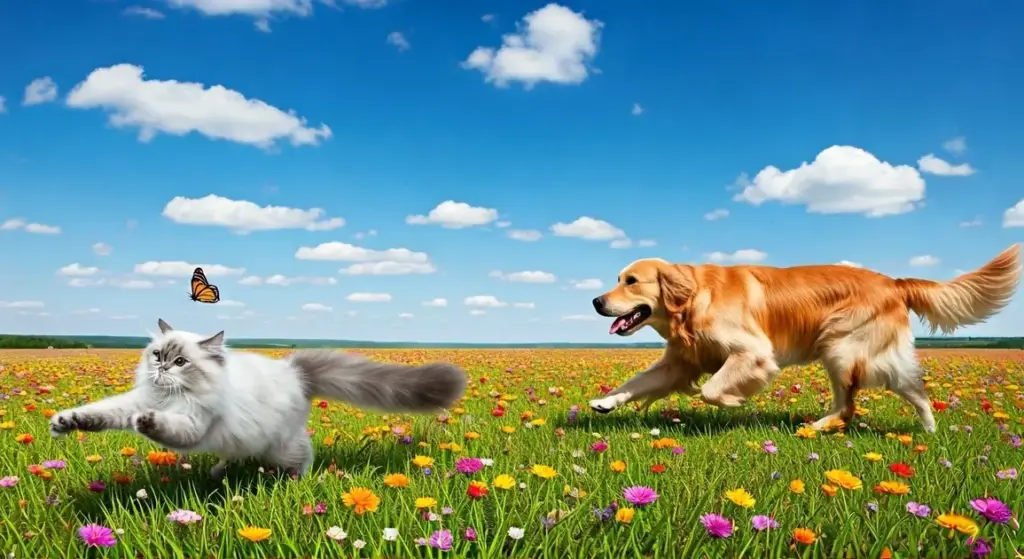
(744, 323)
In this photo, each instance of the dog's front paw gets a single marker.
(144, 423)
(63, 423)
(603, 405)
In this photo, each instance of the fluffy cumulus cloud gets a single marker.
(369, 297)
(243, 216)
(179, 108)
(77, 269)
(487, 301)
(1014, 217)
(455, 215)
(39, 91)
(365, 261)
(18, 224)
(177, 268)
(438, 302)
(742, 255)
(526, 276)
(937, 166)
(553, 44)
(841, 179)
(101, 249)
(316, 307)
(589, 229)
(588, 284)
(284, 281)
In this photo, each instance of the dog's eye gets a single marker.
(630, 280)
(180, 362)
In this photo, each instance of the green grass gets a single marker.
(717, 458)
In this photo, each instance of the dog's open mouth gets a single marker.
(629, 321)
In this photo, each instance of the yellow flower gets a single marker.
(905, 439)
(617, 466)
(93, 458)
(843, 479)
(396, 481)
(741, 498)
(128, 452)
(664, 443)
(873, 457)
(796, 486)
(426, 503)
(472, 436)
(504, 481)
(542, 471)
(806, 432)
(362, 499)
(892, 488)
(625, 515)
(7, 425)
(508, 429)
(421, 461)
(959, 523)
(254, 534)
(829, 490)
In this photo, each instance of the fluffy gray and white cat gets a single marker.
(193, 394)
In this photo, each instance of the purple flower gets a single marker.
(95, 535)
(770, 447)
(427, 471)
(469, 466)
(184, 517)
(979, 547)
(573, 412)
(97, 486)
(917, 509)
(992, 509)
(442, 539)
(764, 522)
(470, 534)
(320, 508)
(55, 464)
(640, 495)
(1007, 474)
(1015, 441)
(8, 481)
(677, 450)
(717, 525)
(405, 440)
(945, 463)
(547, 522)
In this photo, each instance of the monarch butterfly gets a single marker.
(202, 290)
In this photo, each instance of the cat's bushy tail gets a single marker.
(379, 385)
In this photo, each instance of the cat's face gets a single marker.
(183, 361)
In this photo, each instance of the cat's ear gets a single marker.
(164, 327)
(213, 342)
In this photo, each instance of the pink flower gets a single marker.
(599, 446)
(8, 481)
(717, 525)
(640, 495)
(184, 517)
(95, 535)
(763, 522)
(469, 465)
(441, 539)
(992, 509)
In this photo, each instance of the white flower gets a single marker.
(634, 436)
(522, 485)
(336, 533)
(433, 517)
(487, 461)
(390, 534)
(141, 494)
(359, 544)
(578, 454)
(527, 425)
(655, 432)
(516, 533)
(119, 531)
(580, 470)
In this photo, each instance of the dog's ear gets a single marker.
(678, 285)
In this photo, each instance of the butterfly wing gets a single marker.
(209, 294)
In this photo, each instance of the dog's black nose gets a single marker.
(598, 304)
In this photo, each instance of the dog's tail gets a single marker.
(390, 387)
(968, 299)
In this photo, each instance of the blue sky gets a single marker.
(137, 139)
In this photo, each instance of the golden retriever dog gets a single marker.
(744, 324)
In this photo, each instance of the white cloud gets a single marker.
(265, 8)
(524, 305)
(588, 284)
(637, 110)
(178, 268)
(588, 228)
(243, 216)
(742, 255)
(553, 44)
(1014, 217)
(230, 303)
(77, 269)
(388, 268)
(455, 215)
(936, 166)
(93, 310)
(344, 252)
(316, 307)
(477, 312)
(976, 222)
(87, 282)
(850, 264)
(502, 224)
(369, 297)
(285, 281)
(371, 233)
(487, 18)
(179, 108)
(716, 214)
(17, 223)
(924, 260)
(406, 315)
(398, 40)
(147, 13)
(40, 90)
(841, 179)
(101, 249)
(642, 243)
(956, 146)
(438, 302)
(526, 276)
(484, 301)
(621, 243)
(578, 317)
(21, 304)
(525, 235)
(134, 284)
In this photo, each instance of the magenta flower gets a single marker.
(95, 535)
(184, 517)
(97, 486)
(717, 525)
(917, 509)
(1007, 474)
(770, 447)
(764, 522)
(599, 446)
(442, 539)
(469, 465)
(8, 481)
(992, 509)
(55, 464)
(470, 534)
(320, 508)
(979, 547)
(640, 495)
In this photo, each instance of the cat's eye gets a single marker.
(156, 353)
(180, 362)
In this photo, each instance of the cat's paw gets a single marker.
(144, 423)
(63, 423)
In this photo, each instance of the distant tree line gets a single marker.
(38, 342)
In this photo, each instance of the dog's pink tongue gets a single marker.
(616, 325)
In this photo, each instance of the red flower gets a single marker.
(483, 380)
(604, 388)
(940, 406)
(986, 405)
(901, 469)
(477, 489)
(498, 412)
(658, 468)
(323, 404)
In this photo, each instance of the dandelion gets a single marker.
(422, 461)
(543, 472)
(763, 522)
(640, 495)
(617, 466)
(425, 503)
(804, 536)
(717, 526)
(873, 457)
(362, 499)
(503, 481)
(441, 539)
(95, 535)
(741, 498)
(992, 509)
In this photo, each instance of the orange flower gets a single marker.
(362, 499)
(396, 481)
(829, 490)
(159, 458)
(804, 536)
(127, 452)
(24, 438)
(477, 489)
(617, 466)
(892, 488)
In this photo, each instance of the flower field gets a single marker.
(522, 468)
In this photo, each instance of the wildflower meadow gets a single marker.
(522, 468)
